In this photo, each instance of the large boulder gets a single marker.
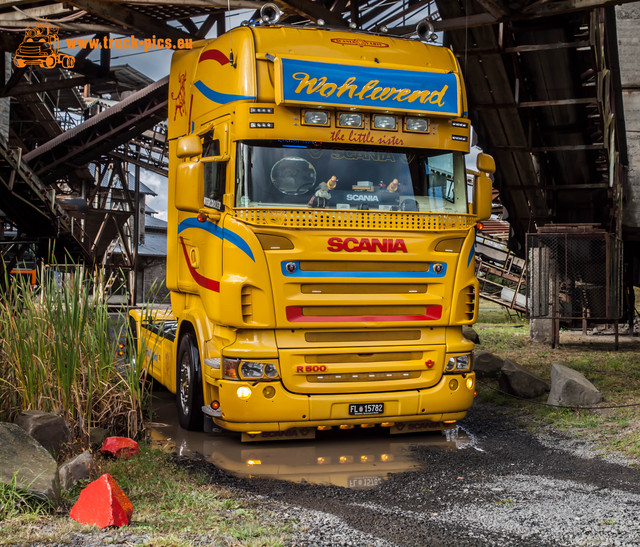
(486, 365)
(48, 428)
(570, 388)
(24, 458)
(519, 381)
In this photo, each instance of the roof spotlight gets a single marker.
(425, 31)
(270, 14)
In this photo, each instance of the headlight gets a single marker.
(460, 363)
(237, 369)
(251, 370)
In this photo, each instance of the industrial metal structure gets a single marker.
(552, 92)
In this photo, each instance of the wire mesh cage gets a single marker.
(575, 275)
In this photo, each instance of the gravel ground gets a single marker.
(509, 487)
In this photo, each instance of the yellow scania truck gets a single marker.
(320, 246)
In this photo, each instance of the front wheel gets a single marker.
(189, 385)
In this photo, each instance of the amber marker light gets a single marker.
(202, 217)
(215, 405)
(480, 226)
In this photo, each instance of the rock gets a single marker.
(97, 435)
(31, 463)
(486, 364)
(75, 469)
(120, 447)
(541, 330)
(470, 334)
(519, 381)
(570, 388)
(102, 503)
(48, 428)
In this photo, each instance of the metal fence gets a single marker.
(575, 275)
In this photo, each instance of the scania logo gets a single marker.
(291, 267)
(355, 245)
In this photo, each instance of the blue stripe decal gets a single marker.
(220, 98)
(297, 272)
(471, 253)
(222, 233)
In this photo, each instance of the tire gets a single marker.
(189, 399)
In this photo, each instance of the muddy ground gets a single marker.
(510, 487)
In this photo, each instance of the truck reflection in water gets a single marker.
(354, 459)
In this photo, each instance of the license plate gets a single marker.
(363, 409)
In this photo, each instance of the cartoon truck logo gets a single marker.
(41, 47)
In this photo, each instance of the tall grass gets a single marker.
(57, 355)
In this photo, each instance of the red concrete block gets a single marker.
(102, 503)
(120, 447)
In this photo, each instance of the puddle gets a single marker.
(353, 459)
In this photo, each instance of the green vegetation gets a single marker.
(613, 427)
(170, 507)
(15, 502)
(58, 354)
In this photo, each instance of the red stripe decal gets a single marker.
(214, 55)
(294, 315)
(201, 280)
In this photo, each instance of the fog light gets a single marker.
(469, 383)
(453, 384)
(243, 393)
(269, 392)
(254, 462)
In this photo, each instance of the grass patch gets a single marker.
(171, 507)
(616, 374)
(15, 502)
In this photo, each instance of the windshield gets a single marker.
(340, 178)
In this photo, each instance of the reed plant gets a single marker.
(58, 353)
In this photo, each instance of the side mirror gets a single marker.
(482, 197)
(189, 187)
(486, 163)
(189, 147)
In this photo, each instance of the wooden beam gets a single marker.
(130, 19)
(537, 104)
